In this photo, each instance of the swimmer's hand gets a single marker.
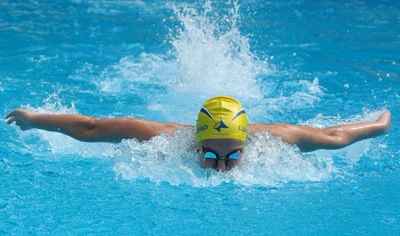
(385, 120)
(21, 117)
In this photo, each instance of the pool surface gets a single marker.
(317, 63)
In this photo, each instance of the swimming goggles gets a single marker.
(209, 154)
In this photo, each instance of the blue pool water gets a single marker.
(309, 62)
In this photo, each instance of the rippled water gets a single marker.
(316, 63)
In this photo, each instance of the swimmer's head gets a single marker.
(221, 117)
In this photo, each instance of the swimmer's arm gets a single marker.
(310, 139)
(90, 129)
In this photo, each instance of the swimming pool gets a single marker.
(317, 63)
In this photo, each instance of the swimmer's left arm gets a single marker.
(310, 138)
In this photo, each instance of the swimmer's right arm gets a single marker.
(90, 129)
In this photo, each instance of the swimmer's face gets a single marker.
(222, 147)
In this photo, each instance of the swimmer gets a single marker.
(222, 128)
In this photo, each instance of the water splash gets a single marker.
(215, 58)
(267, 161)
(207, 58)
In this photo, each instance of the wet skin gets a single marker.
(222, 147)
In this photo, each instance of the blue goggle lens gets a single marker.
(234, 155)
(210, 155)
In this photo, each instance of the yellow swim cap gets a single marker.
(221, 117)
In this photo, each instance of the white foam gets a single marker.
(267, 161)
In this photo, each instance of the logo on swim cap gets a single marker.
(220, 125)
